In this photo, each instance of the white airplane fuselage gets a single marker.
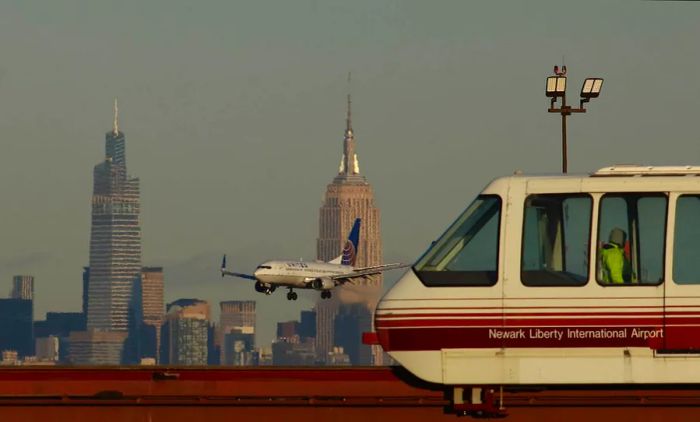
(297, 274)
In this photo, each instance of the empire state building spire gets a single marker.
(348, 118)
(349, 165)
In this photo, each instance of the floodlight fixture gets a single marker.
(591, 88)
(556, 90)
(556, 86)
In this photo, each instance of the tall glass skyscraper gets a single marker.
(115, 238)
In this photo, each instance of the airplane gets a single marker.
(322, 276)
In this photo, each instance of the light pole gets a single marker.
(556, 88)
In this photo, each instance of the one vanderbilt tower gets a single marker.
(115, 237)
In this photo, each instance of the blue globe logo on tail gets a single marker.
(350, 248)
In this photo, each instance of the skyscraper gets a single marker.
(152, 295)
(16, 326)
(347, 197)
(22, 287)
(152, 310)
(350, 322)
(115, 239)
(185, 333)
(237, 316)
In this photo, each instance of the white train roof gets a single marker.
(617, 178)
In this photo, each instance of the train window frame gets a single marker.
(664, 225)
(463, 278)
(570, 282)
(674, 258)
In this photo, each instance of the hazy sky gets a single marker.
(234, 116)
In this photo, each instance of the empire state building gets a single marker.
(348, 196)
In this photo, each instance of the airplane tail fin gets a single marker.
(223, 266)
(349, 255)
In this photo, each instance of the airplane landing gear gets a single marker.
(264, 288)
(291, 295)
(326, 294)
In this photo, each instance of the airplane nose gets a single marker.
(259, 275)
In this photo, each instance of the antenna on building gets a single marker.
(115, 123)
(348, 117)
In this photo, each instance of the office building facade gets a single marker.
(235, 316)
(22, 287)
(17, 326)
(186, 333)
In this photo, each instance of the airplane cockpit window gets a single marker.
(467, 253)
(686, 246)
(556, 239)
(264, 267)
(631, 239)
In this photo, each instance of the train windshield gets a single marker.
(467, 253)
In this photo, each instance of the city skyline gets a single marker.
(229, 106)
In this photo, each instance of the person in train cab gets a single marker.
(614, 262)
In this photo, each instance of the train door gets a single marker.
(630, 264)
(554, 263)
(682, 294)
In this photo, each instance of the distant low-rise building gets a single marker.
(264, 356)
(47, 348)
(338, 357)
(95, 347)
(240, 347)
(293, 353)
(9, 357)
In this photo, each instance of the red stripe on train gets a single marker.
(546, 314)
(438, 338)
(529, 322)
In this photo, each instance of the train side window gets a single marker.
(631, 239)
(467, 253)
(686, 240)
(556, 238)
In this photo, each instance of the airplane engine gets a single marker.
(323, 283)
(261, 288)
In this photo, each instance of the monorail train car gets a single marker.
(521, 288)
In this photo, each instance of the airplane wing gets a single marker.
(224, 272)
(365, 271)
(241, 275)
